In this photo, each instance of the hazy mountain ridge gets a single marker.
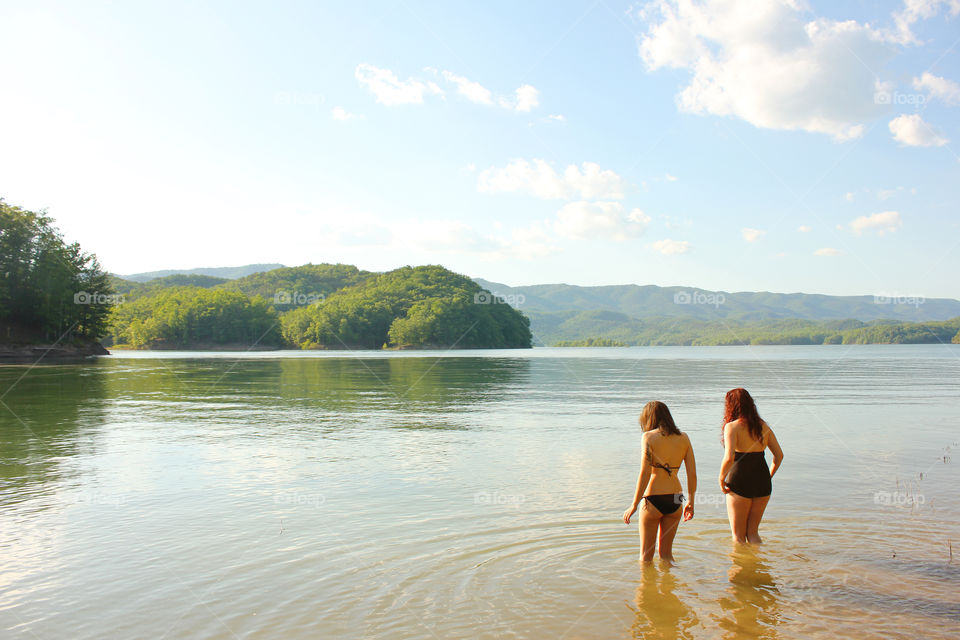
(652, 301)
(229, 273)
(633, 314)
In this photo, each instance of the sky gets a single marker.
(732, 145)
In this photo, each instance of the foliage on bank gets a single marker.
(410, 307)
(49, 290)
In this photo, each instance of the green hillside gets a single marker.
(290, 287)
(410, 307)
(341, 307)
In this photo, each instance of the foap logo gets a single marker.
(512, 299)
(897, 98)
(486, 497)
(898, 498)
(84, 297)
(699, 297)
(296, 298)
(298, 499)
(287, 98)
(893, 298)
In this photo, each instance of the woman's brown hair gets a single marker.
(655, 414)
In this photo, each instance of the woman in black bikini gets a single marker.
(744, 475)
(665, 447)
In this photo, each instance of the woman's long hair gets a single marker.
(739, 405)
(656, 415)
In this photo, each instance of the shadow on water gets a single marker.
(51, 415)
(343, 384)
(751, 602)
(660, 614)
(431, 384)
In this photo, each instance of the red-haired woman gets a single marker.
(744, 475)
(665, 447)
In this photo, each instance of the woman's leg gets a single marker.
(753, 518)
(738, 509)
(649, 522)
(668, 531)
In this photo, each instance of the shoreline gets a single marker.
(20, 353)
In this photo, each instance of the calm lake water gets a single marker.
(470, 494)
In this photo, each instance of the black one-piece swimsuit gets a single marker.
(750, 475)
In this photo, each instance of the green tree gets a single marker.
(426, 306)
(48, 289)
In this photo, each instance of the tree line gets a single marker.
(49, 290)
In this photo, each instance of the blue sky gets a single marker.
(781, 146)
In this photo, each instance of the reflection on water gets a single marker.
(660, 613)
(751, 601)
(468, 496)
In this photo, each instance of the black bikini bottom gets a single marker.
(666, 503)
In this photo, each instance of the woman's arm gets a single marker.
(727, 456)
(642, 481)
(690, 463)
(775, 450)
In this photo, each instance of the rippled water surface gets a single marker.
(470, 495)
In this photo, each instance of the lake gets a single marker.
(471, 494)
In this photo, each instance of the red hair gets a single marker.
(739, 405)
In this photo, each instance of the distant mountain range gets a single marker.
(230, 273)
(629, 314)
(651, 301)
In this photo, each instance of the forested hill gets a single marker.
(651, 301)
(410, 307)
(288, 287)
(327, 306)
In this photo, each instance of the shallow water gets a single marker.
(470, 495)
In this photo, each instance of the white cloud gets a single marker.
(848, 196)
(940, 88)
(580, 220)
(883, 222)
(765, 63)
(390, 90)
(557, 116)
(886, 194)
(528, 243)
(915, 10)
(752, 235)
(540, 179)
(527, 98)
(339, 113)
(803, 229)
(671, 178)
(671, 247)
(827, 251)
(439, 235)
(912, 131)
(472, 91)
